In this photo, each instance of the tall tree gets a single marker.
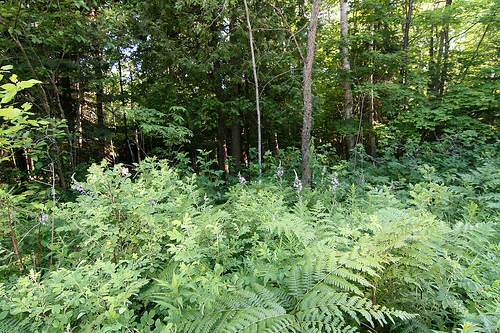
(257, 99)
(308, 102)
(346, 67)
(406, 39)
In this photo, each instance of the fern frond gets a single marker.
(11, 325)
(258, 309)
(414, 325)
(326, 303)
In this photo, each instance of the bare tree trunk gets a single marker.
(438, 66)
(236, 143)
(257, 101)
(346, 67)
(308, 103)
(444, 68)
(79, 114)
(128, 154)
(371, 104)
(100, 123)
(406, 32)
(221, 139)
(236, 149)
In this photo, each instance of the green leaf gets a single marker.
(9, 86)
(27, 106)
(10, 112)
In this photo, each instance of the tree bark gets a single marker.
(128, 154)
(346, 67)
(221, 139)
(257, 101)
(236, 143)
(444, 68)
(236, 149)
(406, 35)
(308, 103)
(371, 104)
(101, 140)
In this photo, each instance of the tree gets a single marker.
(257, 100)
(308, 102)
(346, 67)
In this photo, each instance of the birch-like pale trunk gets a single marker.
(259, 134)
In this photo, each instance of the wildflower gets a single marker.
(297, 183)
(241, 178)
(335, 182)
(44, 217)
(205, 197)
(392, 187)
(280, 172)
(80, 188)
(152, 202)
(125, 171)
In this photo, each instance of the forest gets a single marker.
(250, 166)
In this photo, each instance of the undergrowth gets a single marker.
(387, 245)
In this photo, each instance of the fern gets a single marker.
(323, 294)
(265, 309)
(12, 325)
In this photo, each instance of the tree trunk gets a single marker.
(308, 103)
(128, 153)
(257, 101)
(371, 104)
(79, 114)
(406, 34)
(438, 67)
(221, 139)
(444, 68)
(236, 143)
(100, 119)
(236, 150)
(346, 67)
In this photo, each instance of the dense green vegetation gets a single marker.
(152, 248)
(133, 194)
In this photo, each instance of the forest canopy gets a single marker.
(131, 79)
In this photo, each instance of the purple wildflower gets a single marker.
(392, 187)
(335, 182)
(152, 201)
(44, 217)
(205, 197)
(241, 178)
(80, 188)
(125, 171)
(297, 183)
(280, 172)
